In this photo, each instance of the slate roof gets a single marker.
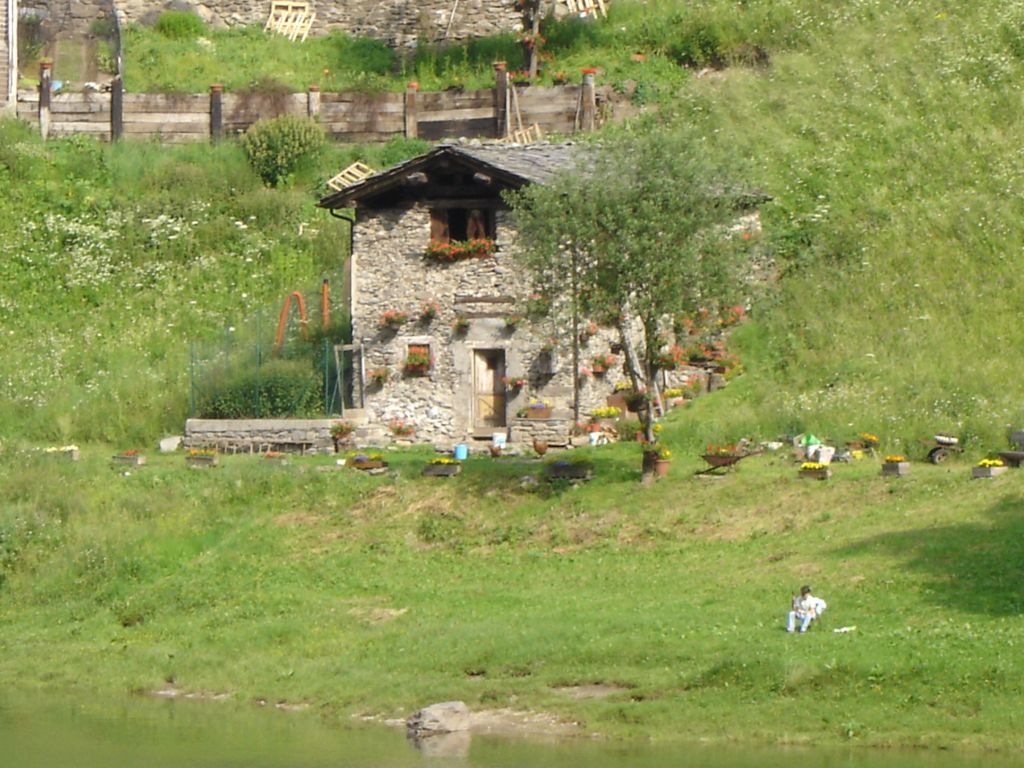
(514, 165)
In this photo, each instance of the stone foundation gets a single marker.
(555, 432)
(256, 435)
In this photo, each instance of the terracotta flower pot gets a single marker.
(540, 446)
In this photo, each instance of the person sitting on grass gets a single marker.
(806, 608)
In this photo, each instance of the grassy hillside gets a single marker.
(888, 134)
(115, 258)
(374, 596)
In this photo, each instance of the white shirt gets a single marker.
(809, 604)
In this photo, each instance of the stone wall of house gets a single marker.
(392, 273)
(400, 23)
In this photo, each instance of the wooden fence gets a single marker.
(349, 117)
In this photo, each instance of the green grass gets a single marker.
(363, 595)
(116, 258)
(887, 134)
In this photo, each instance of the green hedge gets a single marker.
(280, 388)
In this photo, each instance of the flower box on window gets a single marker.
(418, 360)
(457, 250)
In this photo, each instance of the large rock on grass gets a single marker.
(446, 717)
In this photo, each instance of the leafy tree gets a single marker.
(640, 232)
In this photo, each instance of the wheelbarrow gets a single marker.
(722, 461)
(943, 446)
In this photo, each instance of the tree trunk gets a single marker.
(638, 374)
(531, 64)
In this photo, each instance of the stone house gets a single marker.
(461, 357)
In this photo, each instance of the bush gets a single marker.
(281, 388)
(180, 25)
(279, 147)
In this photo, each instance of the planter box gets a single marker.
(617, 400)
(202, 461)
(1012, 458)
(567, 470)
(895, 468)
(442, 470)
(538, 413)
(132, 461)
(816, 474)
(979, 473)
(368, 465)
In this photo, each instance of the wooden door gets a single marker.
(488, 388)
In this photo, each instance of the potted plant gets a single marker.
(574, 468)
(417, 362)
(378, 376)
(606, 415)
(815, 470)
(663, 461)
(988, 468)
(460, 326)
(131, 457)
(514, 382)
(536, 409)
(401, 428)
(895, 465)
(442, 466)
(70, 452)
(428, 311)
(868, 441)
(511, 321)
(600, 364)
(341, 431)
(457, 250)
(636, 401)
(392, 319)
(366, 461)
(276, 457)
(656, 458)
(201, 457)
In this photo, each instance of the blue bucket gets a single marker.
(461, 451)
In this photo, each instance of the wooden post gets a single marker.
(500, 99)
(45, 79)
(411, 118)
(216, 111)
(588, 103)
(313, 102)
(116, 108)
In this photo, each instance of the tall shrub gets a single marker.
(280, 388)
(180, 25)
(277, 148)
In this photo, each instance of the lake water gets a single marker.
(39, 731)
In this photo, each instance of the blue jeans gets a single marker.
(805, 621)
